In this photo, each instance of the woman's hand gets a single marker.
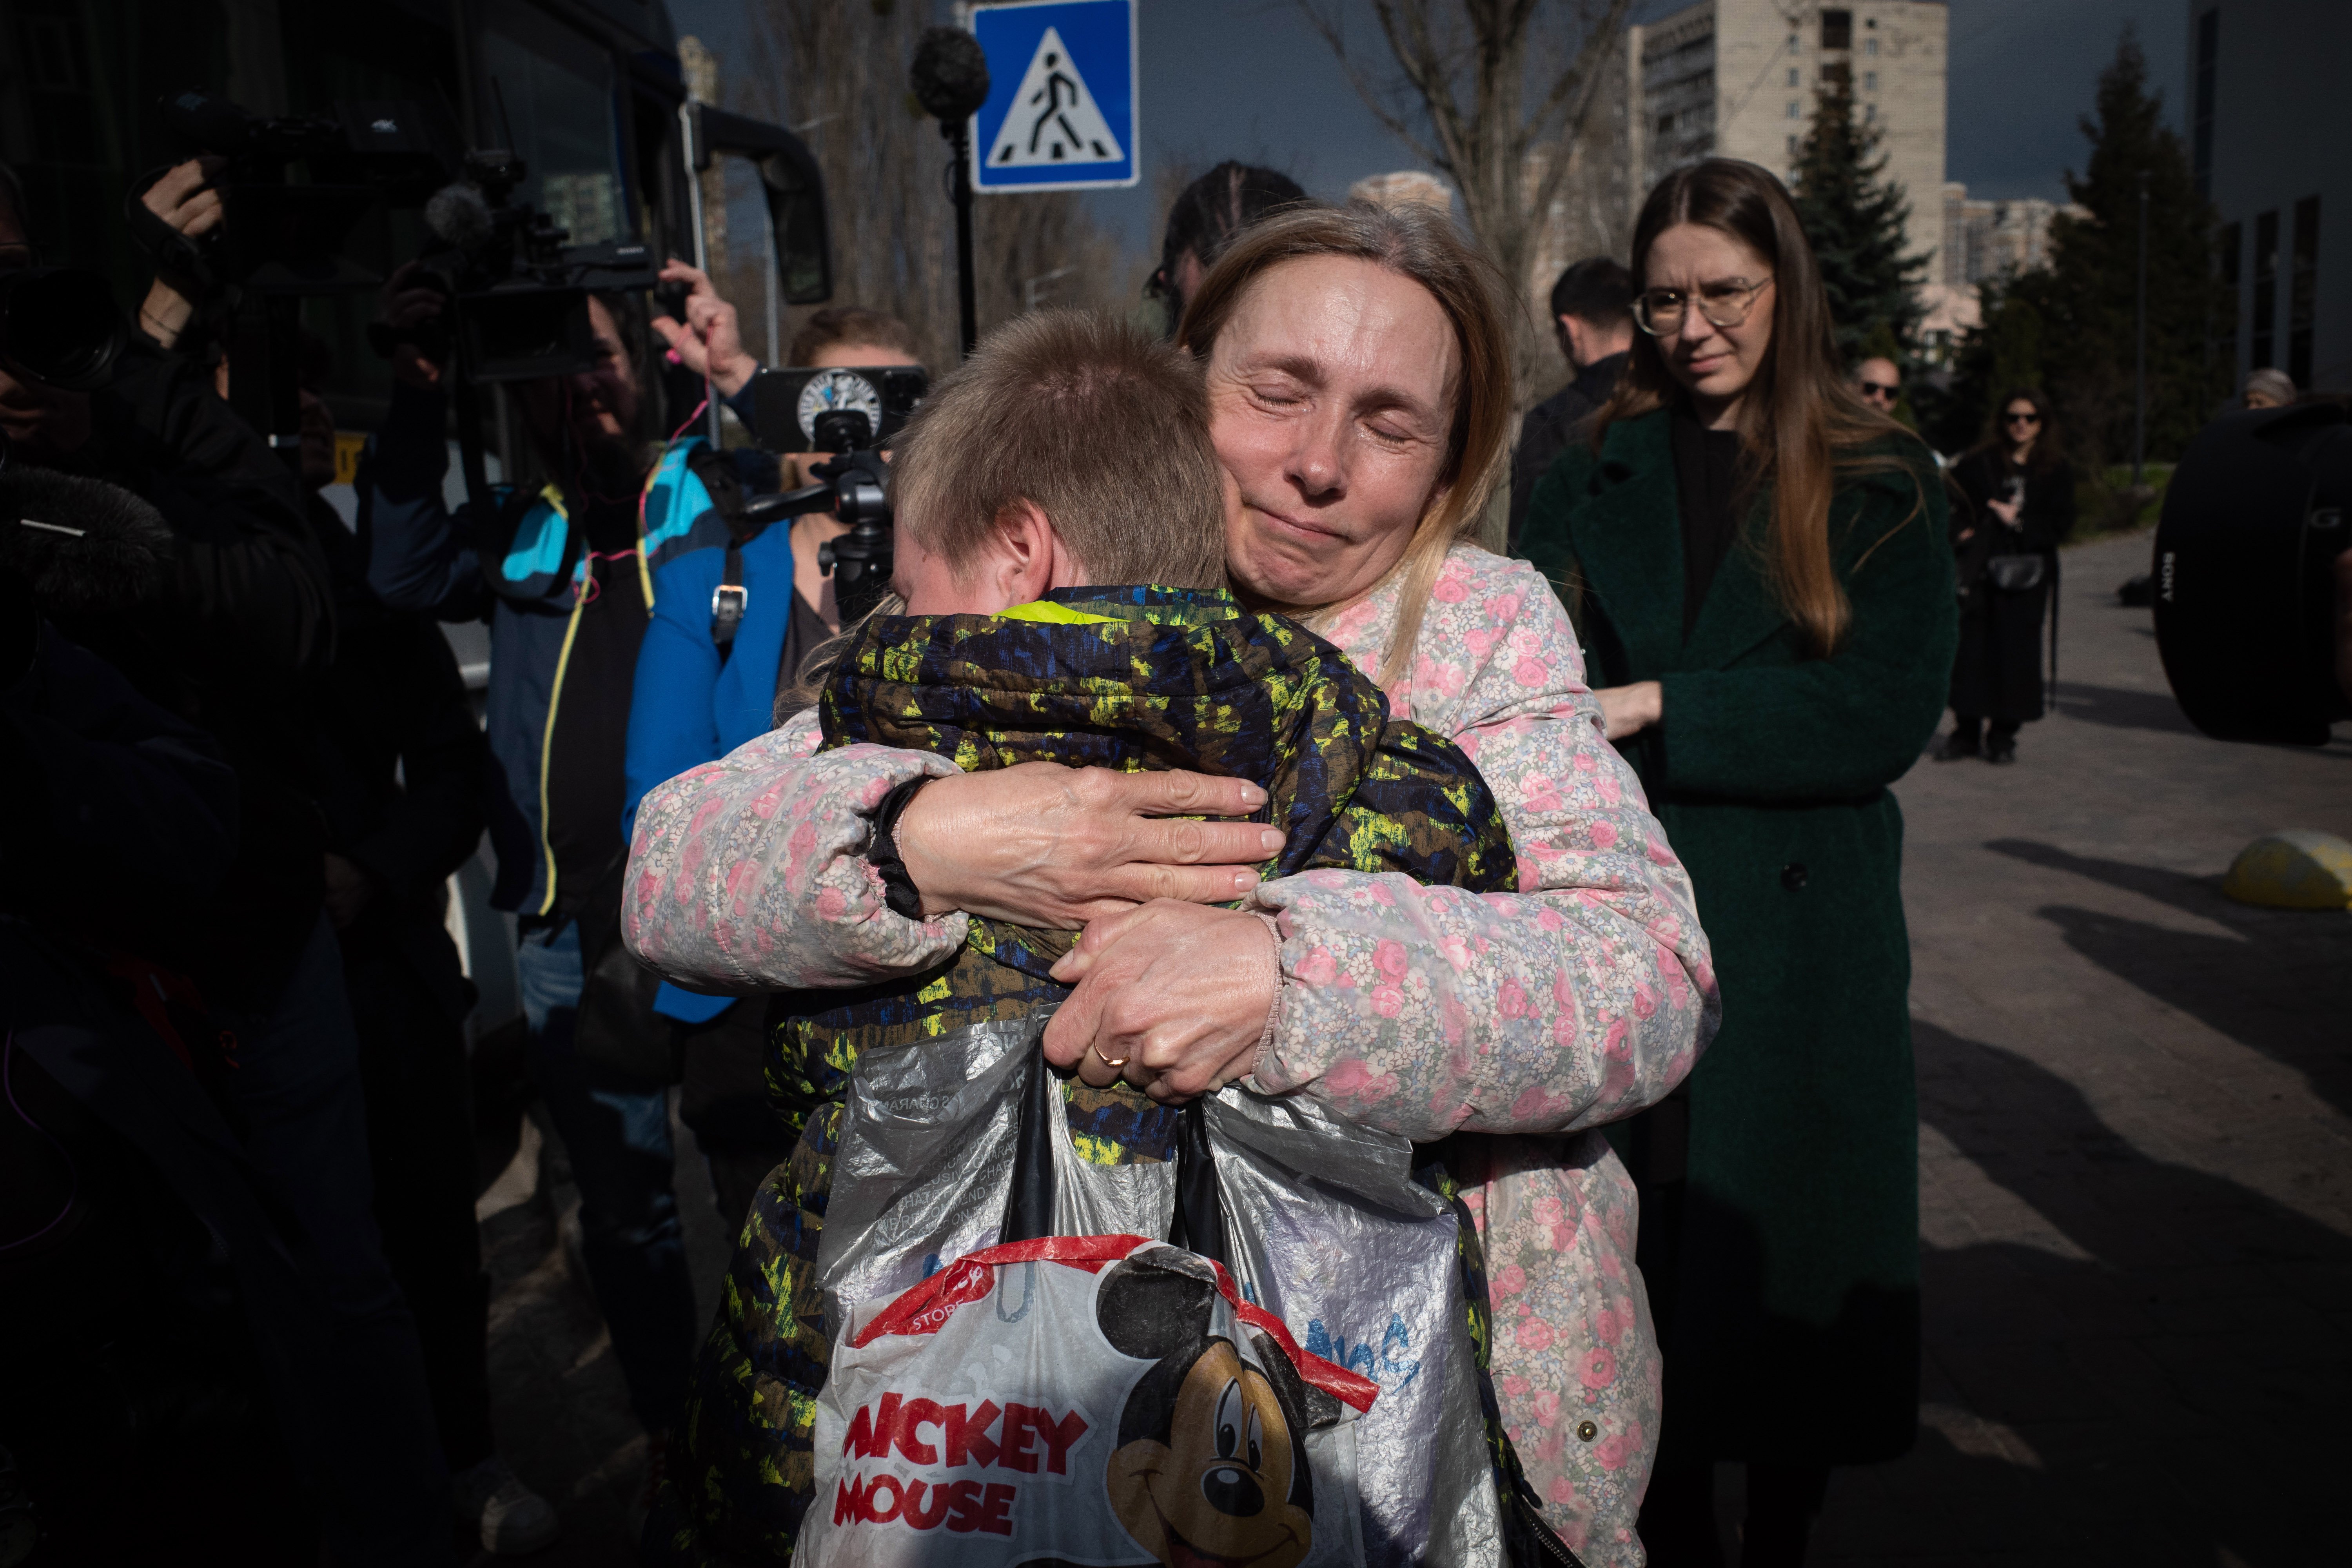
(1054, 847)
(2006, 512)
(711, 341)
(1171, 996)
(1630, 709)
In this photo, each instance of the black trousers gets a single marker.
(420, 1145)
(1997, 670)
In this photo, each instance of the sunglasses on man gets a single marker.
(1885, 392)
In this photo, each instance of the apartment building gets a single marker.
(1737, 78)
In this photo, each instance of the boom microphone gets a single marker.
(460, 215)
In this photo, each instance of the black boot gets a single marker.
(2000, 746)
(1965, 741)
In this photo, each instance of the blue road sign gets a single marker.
(1062, 113)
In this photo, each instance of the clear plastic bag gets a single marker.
(1322, 1225)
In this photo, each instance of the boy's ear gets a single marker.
(1031, 556)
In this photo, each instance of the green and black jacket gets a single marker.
(1130, 679)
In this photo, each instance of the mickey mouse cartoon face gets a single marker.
(1211, 1470)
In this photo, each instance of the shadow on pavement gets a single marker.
(2122, 708)
(2280, 984)
(2174, 1396)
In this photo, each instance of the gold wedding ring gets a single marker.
(1111, 1062)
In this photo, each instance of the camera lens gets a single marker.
(58, 325)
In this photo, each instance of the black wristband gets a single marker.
(898, 890)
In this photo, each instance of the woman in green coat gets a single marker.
(1757, 563)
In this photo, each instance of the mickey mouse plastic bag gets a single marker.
(1099, 1400)
(1323, 1227)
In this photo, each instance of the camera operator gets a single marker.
(566, 577)
(698, 698)
(236, 643)
(400, 775)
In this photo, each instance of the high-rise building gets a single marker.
(1988, 238)
(1737, 78)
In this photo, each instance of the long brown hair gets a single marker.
(1423, 245)
(1800, 424)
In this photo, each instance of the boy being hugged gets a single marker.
(1060, 568)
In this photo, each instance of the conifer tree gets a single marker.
(1854, 218)
(2087, 304)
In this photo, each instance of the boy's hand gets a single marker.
(1045, 845)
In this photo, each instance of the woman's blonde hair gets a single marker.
(1423, 245)
(1801, 423)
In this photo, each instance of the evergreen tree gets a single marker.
(1854, 218)
(2087, 301)
(2000, 355)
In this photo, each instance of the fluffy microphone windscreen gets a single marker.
(951, 75)
(460, 215)
(101, 544)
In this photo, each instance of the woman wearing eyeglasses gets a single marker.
(2021, 508)
(1759, 562)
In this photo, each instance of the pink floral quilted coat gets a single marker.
(1534, 1016)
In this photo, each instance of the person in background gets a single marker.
(565, 574)
(1203, 220)
(1592, 312)
(1759, 563)
(240, 642)
(2020, 506)
(697, 699)
(1878, 380)
(398, 776)
(2270, 388)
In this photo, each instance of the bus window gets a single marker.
(553, 91)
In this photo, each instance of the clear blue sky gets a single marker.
(1247, 79)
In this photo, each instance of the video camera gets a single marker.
(2245, 553)
(851, 412)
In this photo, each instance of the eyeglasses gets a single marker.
(1659, 311)
(1876, 390)
(2022, 418)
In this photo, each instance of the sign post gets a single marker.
(1062, 111)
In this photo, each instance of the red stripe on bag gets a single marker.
(923, 1308)
(1348, 1388)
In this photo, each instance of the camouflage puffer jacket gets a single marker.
(1129, 679)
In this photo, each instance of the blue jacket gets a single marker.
(520, 573)
(690, 708)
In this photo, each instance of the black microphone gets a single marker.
(951, 75)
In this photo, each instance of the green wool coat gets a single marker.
(1780, 1242)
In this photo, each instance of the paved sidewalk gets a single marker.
(2135, 1143)
(2136, 1147)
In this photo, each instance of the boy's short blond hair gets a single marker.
(1099, 425)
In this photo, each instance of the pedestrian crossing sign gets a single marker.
(1061, 113)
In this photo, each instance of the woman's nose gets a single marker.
(1316, 464)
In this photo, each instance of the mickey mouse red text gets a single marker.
(1027, 1434)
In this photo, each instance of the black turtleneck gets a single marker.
(1707, 487)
